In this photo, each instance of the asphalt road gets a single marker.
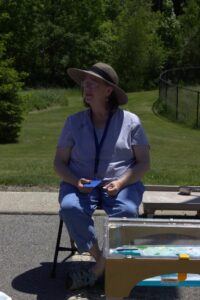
(27, 245)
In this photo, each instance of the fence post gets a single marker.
(198, 93)
(177, 103)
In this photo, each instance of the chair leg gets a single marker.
(53, 273)
(71, 249)
(58, 248)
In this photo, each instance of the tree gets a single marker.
(138, 50)
(190, 33)
(48, 36)
(159, 5)
(169, 32)
(10, 102)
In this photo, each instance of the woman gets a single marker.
(104, 143)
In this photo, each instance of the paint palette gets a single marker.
(141, 249)
(156, 250)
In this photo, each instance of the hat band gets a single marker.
(101, 73)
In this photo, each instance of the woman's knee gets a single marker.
(124, 206)
(129, 211)
(69, 206)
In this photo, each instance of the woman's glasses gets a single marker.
(89, 83)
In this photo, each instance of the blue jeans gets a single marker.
(76, 209)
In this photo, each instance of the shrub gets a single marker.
(10, 102)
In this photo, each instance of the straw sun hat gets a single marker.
(104, 72)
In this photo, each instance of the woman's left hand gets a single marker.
(113, 187)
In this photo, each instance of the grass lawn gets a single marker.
(175, 149)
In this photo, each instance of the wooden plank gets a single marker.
(170, 201)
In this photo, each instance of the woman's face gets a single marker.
(95, 91)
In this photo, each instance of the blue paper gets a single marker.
(93, 183)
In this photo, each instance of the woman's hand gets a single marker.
(113, 187)
(80, 185)
(132, 175)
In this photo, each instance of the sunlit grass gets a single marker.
(175, 149)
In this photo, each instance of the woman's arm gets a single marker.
(132, 175)
(142, 165)
(61, 160)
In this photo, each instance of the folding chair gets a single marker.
(72, 249)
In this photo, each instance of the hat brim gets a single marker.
(78, 76)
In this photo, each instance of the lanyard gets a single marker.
(98, 145)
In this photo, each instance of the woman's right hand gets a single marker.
(80, 185)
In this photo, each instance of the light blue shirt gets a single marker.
(125, 131)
